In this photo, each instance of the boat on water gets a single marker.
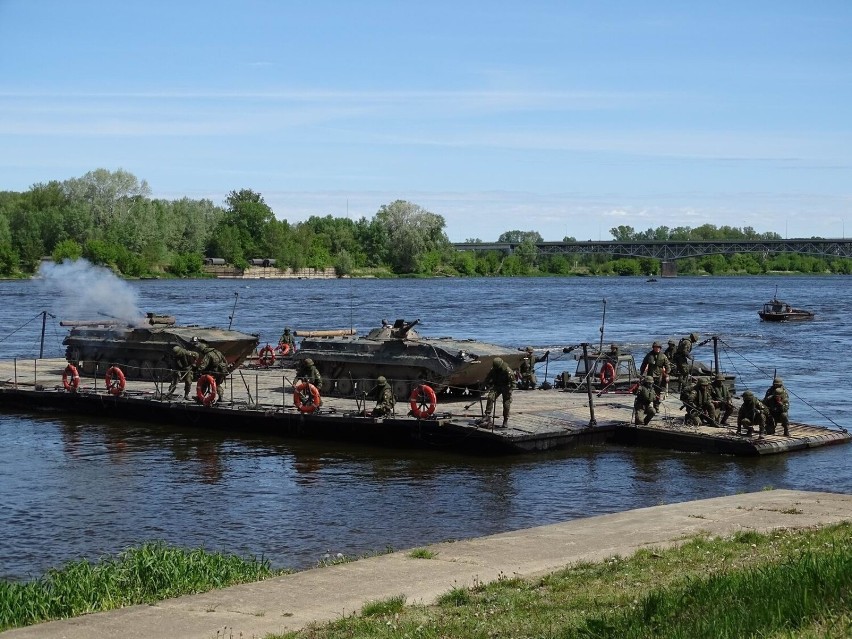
(776, 310)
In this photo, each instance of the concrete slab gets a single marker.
(293, 601)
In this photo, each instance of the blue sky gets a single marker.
(568, 118)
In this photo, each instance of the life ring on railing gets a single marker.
(306, 397)
(266, 356)
(422, 401)
(70, 378)
(115, 380)
(284, 348)
(607, 375)
(205, 389)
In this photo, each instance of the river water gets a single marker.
(71, 487)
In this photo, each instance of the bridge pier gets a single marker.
(668, 269)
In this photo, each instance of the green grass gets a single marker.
(149, 573)
(422, 553)
(782, 585)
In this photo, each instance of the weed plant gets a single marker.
(782, 585)
(149, 573)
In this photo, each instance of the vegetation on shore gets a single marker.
(149, 573)
(110, 219)
(788, 583)
(784, 584)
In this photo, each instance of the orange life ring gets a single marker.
(205, 389)
(422, 401)
(284, 348)
(306, 397)
(70, 378)
(607, 375)
(266, 356)
(115, 381)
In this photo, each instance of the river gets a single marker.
(71, 487)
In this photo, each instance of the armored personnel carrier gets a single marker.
(142, 349)
(406, 358)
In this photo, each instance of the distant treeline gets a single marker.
(109, 218)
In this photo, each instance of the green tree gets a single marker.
(411, 232)
(516, 237)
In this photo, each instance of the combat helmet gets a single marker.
(672, 342)
(720, 377)
(648, 379)
(777, 382)
(497, 363)
(309, 362)
(748, 397)
(656, 345)
(703, 381)
(286, 329)
(381, 380)
(693, 337)
(176, 349)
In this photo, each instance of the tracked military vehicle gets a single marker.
(143, 349)
(349, 364)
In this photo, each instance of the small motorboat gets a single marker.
(776, 310)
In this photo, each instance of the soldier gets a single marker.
(183, 369)
(645, 403)
(212, 363)
(688, 396)
(287, 341)
(752, 412)
(385, 400)
(670, 350)
(500, 380)
(704, 401)
(656, 366)
(721, 397)
(682, 355)
(778, 403)
(307, 371)
(612, 356)
(527, 368)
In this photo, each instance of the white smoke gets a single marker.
(90, 292)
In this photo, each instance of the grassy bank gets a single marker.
(146, 574)
(781, 585)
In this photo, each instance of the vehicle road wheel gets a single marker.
(401, 389)
(345, 387)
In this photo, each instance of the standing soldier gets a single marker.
(752, 412)
(385, 401)
(656, 366)
(287, 342)
(183, 368)
(500, 380)
(645, 404)
(670, 350)
(682, 355)
(527, 368)
(778, 403)
(704, 401)
(721, 399)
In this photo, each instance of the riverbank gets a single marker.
(449, 569)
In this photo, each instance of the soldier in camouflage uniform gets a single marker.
(288, 339)
(212, 363)
(704, 401)
(688, 398)
(682, 355)
(656, 366)
(670, 350)
(183, 369)
(527, 369)
(385, 401)
(721, 397)
(752, 412)
(644, 406)
(499, 381)
(307, 371)
(778, 403)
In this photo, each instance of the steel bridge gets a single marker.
(667, 251)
